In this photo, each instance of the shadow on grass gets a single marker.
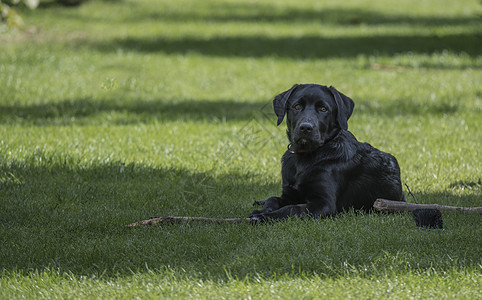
(88, 111)
(48, 182)
(268, 13)
(49, 4)
(126, 112)
(56, 214)
(302, 47)
(258, 12)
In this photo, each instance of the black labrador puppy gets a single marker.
(325, 169)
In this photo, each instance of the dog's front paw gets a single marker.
(257, 219)
(255, 213)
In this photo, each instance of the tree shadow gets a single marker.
(303, 47)
(55, 182)
(253, 13)
(49, 4)
(86, 110)
(121, 112)
(57, 214)
(268, 13)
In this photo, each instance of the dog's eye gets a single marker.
(298, 106)
(323, 109)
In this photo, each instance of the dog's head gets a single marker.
(315, 114)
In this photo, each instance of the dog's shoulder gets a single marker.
(361, 148)
(375, 158)
(342, 148)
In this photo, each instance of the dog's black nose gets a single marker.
(306, 127)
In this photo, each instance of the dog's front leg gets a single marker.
(315, 209)
(289, 196)
(269, 205)
(298, 210)
(321, 209)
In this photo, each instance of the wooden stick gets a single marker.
(175, 220)
(397, 206)
(380, 205)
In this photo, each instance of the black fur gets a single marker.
(326, 170)
(429, 218)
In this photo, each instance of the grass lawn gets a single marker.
(116, 111)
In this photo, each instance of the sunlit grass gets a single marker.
(461, 285)
(113, 112)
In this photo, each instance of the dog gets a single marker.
(325, 170)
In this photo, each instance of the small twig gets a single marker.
(380, 205)
(175, 220)
(411, 194)
(398, 206)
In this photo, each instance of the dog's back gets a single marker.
(370, 174)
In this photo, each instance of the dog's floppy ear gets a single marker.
(280, 101)
(345, 107)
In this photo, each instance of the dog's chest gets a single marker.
(306, 173)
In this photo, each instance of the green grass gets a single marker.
(150, 284)
(113, 112)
